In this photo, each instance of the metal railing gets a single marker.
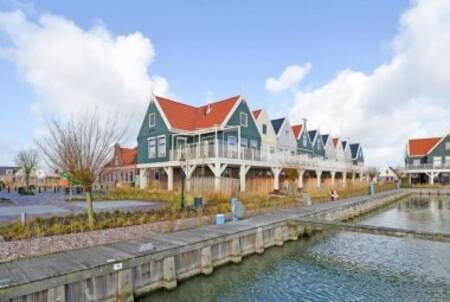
(218, 149)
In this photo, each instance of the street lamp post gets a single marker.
(183, 180)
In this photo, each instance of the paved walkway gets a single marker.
(55, 204)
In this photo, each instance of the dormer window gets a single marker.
(264, 129)
(152, 120)
(304, 141)
(243, 119)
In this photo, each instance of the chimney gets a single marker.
(304, 123)
(207, 109)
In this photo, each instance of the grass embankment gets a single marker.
(212, 204)
(350, 190)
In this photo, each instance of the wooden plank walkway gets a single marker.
(76, 261)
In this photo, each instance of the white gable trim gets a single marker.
(438, 143)
(230, 114)
(165, 119)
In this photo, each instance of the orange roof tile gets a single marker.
(256, 113)
(129, 156)
(335, 141)
(297, 129)
(421, 146)
(186, 117)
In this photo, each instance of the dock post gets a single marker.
(125, 285)
(259, 242)
(278, 236)
(169, 273)
(206, 262)
(236, 256)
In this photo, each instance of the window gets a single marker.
(437, 161)
(162, 146)
(131, 176)
(244, 142)
(151, 120)
(305, 142)
(152, 147)
(416, 162)
(272, 149)
(243, 119)
(319, 145)
(232, 140)
(253, 144)
(447, 146)
(264, 129)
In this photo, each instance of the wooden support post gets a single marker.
(300, 173)
(169, 172)
(276, 175)
(207, 267)
(125, 285)
(333, 177)
(236, 255)
(217, 170)
(353, 177)
(169, 273)
(344, 179)
(143, 178)
(319, 178)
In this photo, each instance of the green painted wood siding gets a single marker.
(439, 151)
(250, 132)
(301, 148)
(146, 132)
(318, 147)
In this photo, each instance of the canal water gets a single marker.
(340, 266)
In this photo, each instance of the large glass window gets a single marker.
(161, 146)
(243, 119)
(152, 147)
(305, 142)
(244, 142)
(416, 162)
(151, 120)
(253, 144)
(437, 161)
(447, 146)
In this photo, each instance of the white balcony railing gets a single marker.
(217, 149)
(444, 165)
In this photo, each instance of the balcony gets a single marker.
(219, 150)
(434, 166)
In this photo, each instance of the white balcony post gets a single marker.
(318, 175)
(169, 172)
(300, 173)
(353, 177)
(344, 178)
(431, 178)
(276, 178)
(143, 178)
(333, 176)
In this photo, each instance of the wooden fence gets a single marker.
(205, 185)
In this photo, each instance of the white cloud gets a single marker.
(71, 69)
(289, 78)
(409, 96)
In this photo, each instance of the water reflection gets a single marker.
(340, 266)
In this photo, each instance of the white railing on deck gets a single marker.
(212, 149)
(445, 165)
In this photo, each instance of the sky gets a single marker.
(375, 72)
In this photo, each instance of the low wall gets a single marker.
(122, 271)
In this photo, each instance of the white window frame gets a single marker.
(244, 142)
(243, 122)
(150, 117)
(437, 161)
(253, 144)
(447, 146)
(305, 141)
(447, 160)
(162, 150)
(151, 143)
(416, 162)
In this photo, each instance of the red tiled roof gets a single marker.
(335, 141)
(256, 113)
(129, 155)
(185, 117)
(421, 146)
(297, 129)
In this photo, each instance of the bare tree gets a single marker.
(82, 146)
(27, 160)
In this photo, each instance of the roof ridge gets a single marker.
(176, 101)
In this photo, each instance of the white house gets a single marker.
(339, 150)
(268, 136)
(387, 174)
(286, 141)
(347, 151)
(330, 151)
